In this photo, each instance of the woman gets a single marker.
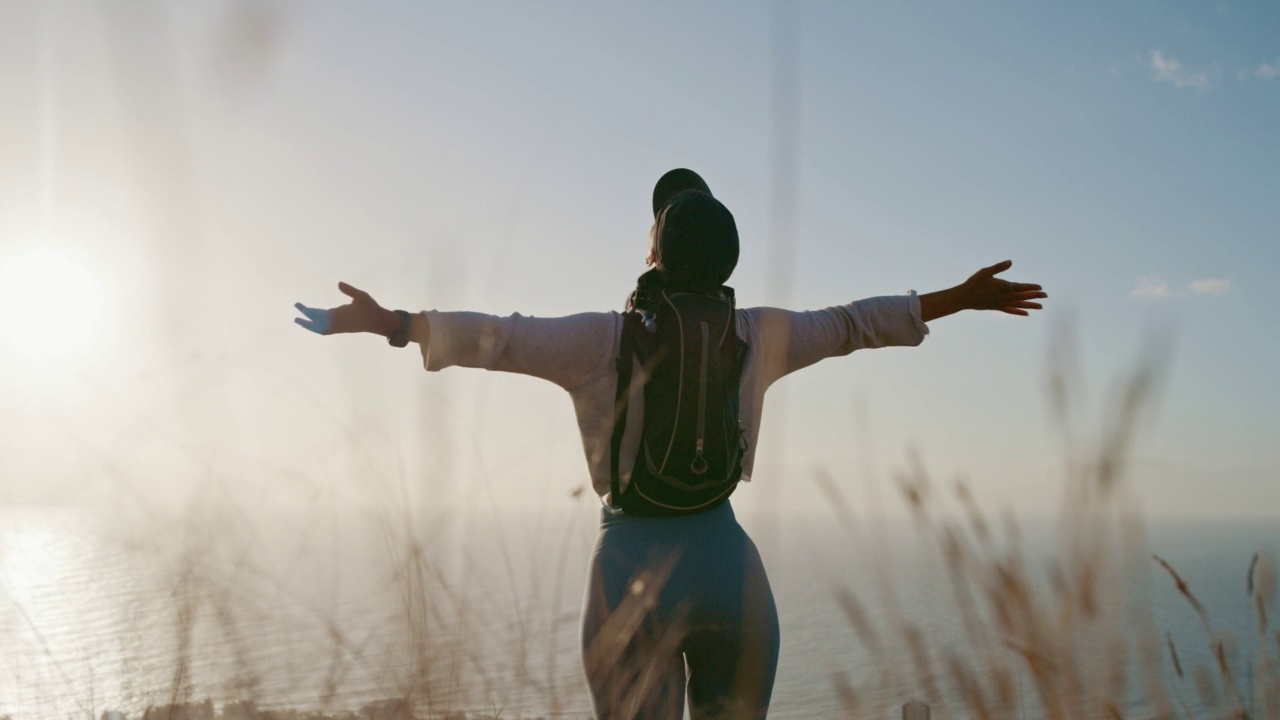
(675, 605)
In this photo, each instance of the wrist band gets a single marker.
(400, 337)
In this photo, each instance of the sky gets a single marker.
(173, 177)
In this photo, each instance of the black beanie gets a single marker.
(674, 182)
(696, 242)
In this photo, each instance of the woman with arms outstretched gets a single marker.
(678, 602)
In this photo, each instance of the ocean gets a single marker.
(332, 610)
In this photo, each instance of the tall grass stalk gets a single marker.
(1077, 640)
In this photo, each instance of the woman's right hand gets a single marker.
(984, 291)
(362, 314)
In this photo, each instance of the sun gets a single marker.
(49, 304)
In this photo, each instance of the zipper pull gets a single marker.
(699, 464)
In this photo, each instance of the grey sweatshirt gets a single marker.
(578, 352)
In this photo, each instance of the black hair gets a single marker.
(696, 242)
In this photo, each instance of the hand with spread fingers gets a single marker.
(362, 314)
(984, 291)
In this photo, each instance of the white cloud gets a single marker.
(1209, 286)
(1150, 286)
(1266, 71)
(1166, 68)
(1154, 287)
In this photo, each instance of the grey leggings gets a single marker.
(673, 604)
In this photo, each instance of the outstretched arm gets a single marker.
(568, 351)
(983, 291)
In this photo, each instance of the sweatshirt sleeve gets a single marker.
(568, 351)
(790, 341)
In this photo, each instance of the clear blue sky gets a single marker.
(499, 157)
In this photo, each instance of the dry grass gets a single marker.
(1076, 641)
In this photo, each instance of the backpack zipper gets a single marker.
(675, 311)
(699, 464)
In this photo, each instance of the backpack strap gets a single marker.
(622, 394)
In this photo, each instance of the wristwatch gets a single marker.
(400, 337)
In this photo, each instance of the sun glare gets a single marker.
(49, 305)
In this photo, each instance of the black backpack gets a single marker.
(690, 454)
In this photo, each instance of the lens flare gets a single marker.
(50, 305)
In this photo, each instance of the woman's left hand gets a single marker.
(362, 314)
